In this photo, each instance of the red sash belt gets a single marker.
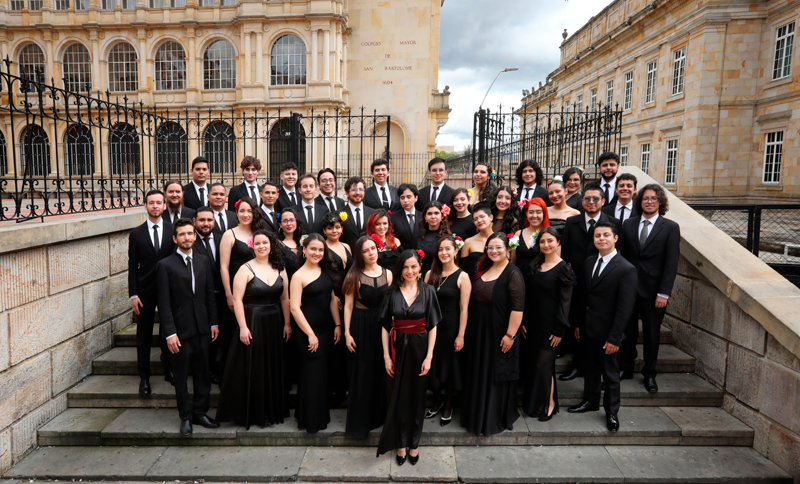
(411, 326)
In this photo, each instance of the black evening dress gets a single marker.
(291, 260)
(489, 404)
(526, 254)
(406, 413)
(446, 365)
(427, 245)
(558, 224)
(470, 263)
(312, 411)
(550, 294)
(387, 258)
(369, 383)
(290, 355)
(337, 369)
(253, 390)
(464, 227)
(574, 201)
(240, 253)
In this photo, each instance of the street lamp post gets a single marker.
(507, 69)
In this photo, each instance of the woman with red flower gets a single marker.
(433, 227)
(536, 219)
(381, 230)
(460, 219)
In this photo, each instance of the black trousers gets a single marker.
(144, 341)
(652, 318)
(192, 359)
(599, 363)
(218, 351)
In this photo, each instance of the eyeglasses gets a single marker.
(591, 199)
(650, 199)
(437, 170)
(356, 189)
(287, 220)
(495, 248)
(326, 180)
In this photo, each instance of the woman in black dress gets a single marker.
(389, 249)
(573, 179)
(505, 211)
(453, 288)
(342, 261)
(290, 231)
(409, 315)
(483, 184)
(364, 288)
(559, 212)
(432, 227)
(253, 389)
(460, 218)
(495, 314)
(535, 220)
(550, 288)
(475, 246)
(316, 315)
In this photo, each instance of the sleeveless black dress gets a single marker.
(427, 245)
(253, 390)
(240, 254)
(337, 369)
(558, 224)
(446, 365)
(312, 412)
(525, 255)
(470, 263)
(366, 407)
(290, 355)
(387, 258)
(464, 227)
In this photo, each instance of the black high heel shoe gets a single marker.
(432, 413)
(401, 459)
(544, 417)
(413, 459)
(444, 421)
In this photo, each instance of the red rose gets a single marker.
(510, 236)
(377, 240)
(421, 254)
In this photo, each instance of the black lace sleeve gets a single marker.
(566, 281)
(516, 289)
(387, 309)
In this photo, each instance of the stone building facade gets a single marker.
(708, 89)
(235, 56)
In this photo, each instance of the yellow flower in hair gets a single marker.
(343, 216)
(471, 194)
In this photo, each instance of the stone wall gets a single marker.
(63, 294)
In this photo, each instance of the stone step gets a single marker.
(638, 426)
(508, 464)
(127, 336)
(122, 361)
(675, 390)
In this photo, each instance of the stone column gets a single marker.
(326, 55)
(97, 79)
(314, 54)
(337, 58)
(247, 58)
(191, 61)
(260, 57)
(51, 61)
(142, 36)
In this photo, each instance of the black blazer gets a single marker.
(231, 221)
(272, 222)
(577, 244)
(614, 197)
(339, 203)
(656, 262)
(350, 234)
(238, 192)
(372, 198)
(407, 235)
(445, 195)
(190, 198)
(538, 192)
(319, 212)
(611, 210)
(284, 201)
(186, 212)
(200, 248)
(180, 311)
(575, 202)
(610, 299)
(142, 260)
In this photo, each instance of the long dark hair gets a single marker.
(391, 241)
(661, 194)
(351, 279)
(511, 220)
(536, 168)
(437, 267)
(258, 219)
(275, 255)
(485, 263)
(397, 274)
(444, 226)
(536, 263)
(453, 213)
(326, 264)
(298, 232)
(483, 196)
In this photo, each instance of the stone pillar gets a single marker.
(314, 54)
(97, 79)
(51, 73)
(142, 36)
(326, 55)
(247, 58)
(337, 58)
(260, 57)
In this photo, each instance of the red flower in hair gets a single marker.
(236, 205)
(377, 240)
(510, 236)
(458, 238)
(421, 254)
(390, 212)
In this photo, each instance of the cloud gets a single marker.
(479, 38)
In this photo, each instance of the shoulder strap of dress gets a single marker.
(248, 266)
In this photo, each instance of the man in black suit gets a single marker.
(223, 219)
(195, 193)
(288, 195)
(207, 244)
(326, 179)
(357, 211)
(310, 212)
(188, 310)
(406, 221)
(147, 244)
(576, 246)
(381, 194)
(250, 167)
(530, 180)
(622, 209)
(175, 209)
(609, 305)
(438, 190)
(608, 164)
(269, 196)
(652, 244)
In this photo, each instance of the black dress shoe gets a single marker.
(571, 375)
(650, 385)
(413, 459)
(186, 428)
(613, 423)
(144, 388)
(169, 377)
(205, 421)
(625, 375)
(401, 459)
(560, 353)
(584, 406)
(434, 411)
(213, 378)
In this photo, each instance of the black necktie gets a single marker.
(222, 222)
(433, 197)
(203, 197)
(622, 213)
(310, 216)
(597, 271)
(208, 248)
(607, 194)
(358, 219)
(291, 197)
(331, 205)
(175, 217)
(590, 230)
(527, 193)
(191, 272)
(383, 197)
(643, 235)
(252, 192)
(156, 240)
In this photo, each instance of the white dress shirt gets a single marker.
(612, 187)
(204, 198)
(438, 192)
(363, 223)
(628, 210)
(606, 259)
(184, 256)
(527, 192)
(586, 219)
(305, 212)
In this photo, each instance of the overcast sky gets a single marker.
(479, 38)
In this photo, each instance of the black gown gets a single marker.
(253, 390)
(291, 260)
(446, 365)
(464, 227)
(290, 354)
(427, 245)
(337, 369)
(387, 258)
(406, 413)
(241, 253)
(525, 255)
(558, 224)
(549, 294)
(470, 263)
(369, 383)
(312, 411)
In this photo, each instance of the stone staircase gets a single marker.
(680, 434)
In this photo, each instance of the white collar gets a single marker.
(652, 220)
(197, 187)
(532, 187)
(254, 185)
(287, 190)
(586, 217)
(626, 205)
(184, 256)
(353, 207)
(437, 186)
(414, 213)
(308, 204)
(608, 257)
(150, 224)
(379, 185)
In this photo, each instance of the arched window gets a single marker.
(219, 147)
(35, 151)
(171, 150)
(123, 68)
(123, 150)
(287, 142)
(3, 155)
(170, 67)
(288, 61)
(79, 148)
(219, 66)
(31, 65)
(77, 68)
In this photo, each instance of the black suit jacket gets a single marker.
(231, 221)
(319, 212)
(372, 198)
(407, 235)
(238, 192)
(190, 198)
(213, 259)
(610, 299)
(613, 190)
(284, 201)
(656, 262)
(575, 202)
(186, 212)
(577, 244)
(538, 192)
(350, 234)
(445, 195)
(611, 210)
(180, 311)
(272, 222)
(143, 259)
(339, 203)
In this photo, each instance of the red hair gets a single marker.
(545, 215)
(373, 219)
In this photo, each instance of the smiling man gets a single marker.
(623, 208)
(608, 164)
(381, 194)
(249, 188)
(438, 190)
